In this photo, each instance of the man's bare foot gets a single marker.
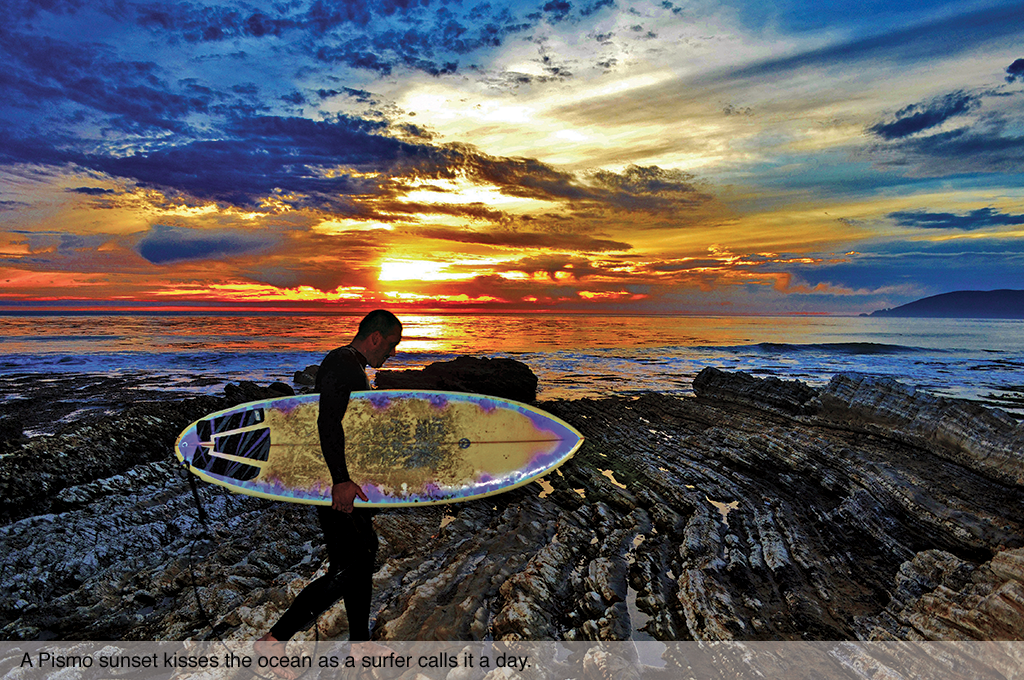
(270, 647)
(369, 648)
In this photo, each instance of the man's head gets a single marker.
(379, 333)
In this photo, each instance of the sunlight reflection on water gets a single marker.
(574, 356)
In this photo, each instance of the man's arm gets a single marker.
(339, 376)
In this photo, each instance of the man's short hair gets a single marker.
(378, 320)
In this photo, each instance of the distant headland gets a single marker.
(966, 304)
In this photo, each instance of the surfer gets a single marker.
(348, 531)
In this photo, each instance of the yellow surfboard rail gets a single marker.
(403, 447)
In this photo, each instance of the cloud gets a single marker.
(557, 10)
(526, 239)
(941, 38)
(651, 186)
(552, 265)
(1015, 71)
(271, 156)
(976, 219)
(989, 143)
(165, 245)
(647, 189)
(92, 191)
(372, 36)
(918, 117)
(196, 23)
(60, 78)
(955, 152)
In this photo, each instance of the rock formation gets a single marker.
(506, 378)
(757, 510)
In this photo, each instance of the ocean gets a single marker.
(574, 356)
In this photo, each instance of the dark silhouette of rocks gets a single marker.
(246, 391)
(307, 376)
(965, 304)
(506, 378)
(759, 509)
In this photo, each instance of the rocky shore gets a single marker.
(757, 510)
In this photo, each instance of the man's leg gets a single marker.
(351, 549)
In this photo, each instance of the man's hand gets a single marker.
(343, 495)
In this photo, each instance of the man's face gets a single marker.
(382, 347)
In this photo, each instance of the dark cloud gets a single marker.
(35, 150)
(683, 266)
(526, 239)
(990, 143)
(551, 264)
(47, 74)
(731, 110)
(955, 152)
(273, 156)
(196, 23)
(942, 38)
(92, 191)
(645, 189)
(295, 97)
(557, 9)
(164, 244)
(375, 36)
(976, 219)
(1015, 71)
(358, 168)
(355, 55)
(651, 189)
(918, 117)
(597, 6)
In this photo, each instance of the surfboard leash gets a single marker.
(195, 494)
(207, 533)
(204, 532)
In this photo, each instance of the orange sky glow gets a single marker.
(555, 157)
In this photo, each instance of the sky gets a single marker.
(606, 156)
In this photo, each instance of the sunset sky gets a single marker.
(671, 156)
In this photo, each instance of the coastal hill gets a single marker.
(966, 304)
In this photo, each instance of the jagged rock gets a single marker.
(757, 511)
(32, 477)
(306, 376)
(246, 391)
(942, 597)
(789, 397)
(506, 378)
(11, 434)
(985, 440)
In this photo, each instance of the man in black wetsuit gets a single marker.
(348, 531)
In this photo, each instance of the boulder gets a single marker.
(505, 378)
(246, 391)
(307, 376)
(789, 397)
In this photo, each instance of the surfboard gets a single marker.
(403, 447)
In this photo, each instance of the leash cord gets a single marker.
(205, 532)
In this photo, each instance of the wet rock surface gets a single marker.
(506, 378)
(758, 510)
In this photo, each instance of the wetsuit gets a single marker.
(350, 538)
